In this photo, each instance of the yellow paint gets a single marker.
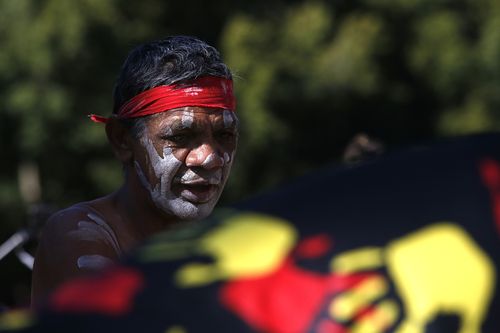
(438, 269)
(16, 320)
(384, 315)
(441, 269)
(358, 260)
(245, 245)
(176, 329)
(345, 306)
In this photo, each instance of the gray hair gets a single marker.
(176, 59)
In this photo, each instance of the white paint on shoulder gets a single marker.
(96, 230)
(94, 262)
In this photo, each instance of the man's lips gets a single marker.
(196, 192)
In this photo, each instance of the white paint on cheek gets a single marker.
(165, 169)
(226, 169)
(187, 118)
(228, 117)
(94, 262)
(227, 158)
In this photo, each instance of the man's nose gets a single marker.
(205, 156)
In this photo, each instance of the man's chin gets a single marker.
(185, 210)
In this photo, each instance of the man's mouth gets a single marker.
(197, 192)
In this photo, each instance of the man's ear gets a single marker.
(120, 139)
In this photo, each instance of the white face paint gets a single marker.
(229, 118)
(189, 188)
(187, 118)
(166, 168)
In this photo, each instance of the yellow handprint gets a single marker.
(438, 269)
(246, 245)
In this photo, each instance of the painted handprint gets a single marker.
(436, 270)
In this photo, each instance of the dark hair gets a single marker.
(175, 59)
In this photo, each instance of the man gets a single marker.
(174, 130)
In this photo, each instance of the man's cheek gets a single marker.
(180, 154)
(226, 169)
(228, 157)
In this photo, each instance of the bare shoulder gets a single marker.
(64, 221)
(80, 227)
(74, 241)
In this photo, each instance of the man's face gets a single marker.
(184, 158)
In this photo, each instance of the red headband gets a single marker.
(209, 92)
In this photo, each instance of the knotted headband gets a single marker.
(208, 91)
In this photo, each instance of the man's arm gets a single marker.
(73, 242)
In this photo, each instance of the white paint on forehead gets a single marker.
(94, 262)
(169, 131)
(187, 117)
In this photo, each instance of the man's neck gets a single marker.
(137, 211)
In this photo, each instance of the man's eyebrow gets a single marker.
(178, 125)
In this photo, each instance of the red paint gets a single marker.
(111, 293)
(366, 312)
(490, 173)
(329, 326)
(285, 301)
(314, 246)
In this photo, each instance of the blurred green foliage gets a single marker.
(309, 75)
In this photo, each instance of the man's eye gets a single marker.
(177, 138)
(226, 135)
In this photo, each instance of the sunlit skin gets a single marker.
(173, 174)
(184, 158)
